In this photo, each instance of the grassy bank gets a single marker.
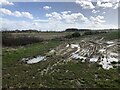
(13, 55)
(12, 67)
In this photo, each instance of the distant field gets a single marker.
(20, 39)
(43, 35)
(52, 35)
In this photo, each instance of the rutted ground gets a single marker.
(102, 52)
(99, 51)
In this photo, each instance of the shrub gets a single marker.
(88, 33)
(74, 35)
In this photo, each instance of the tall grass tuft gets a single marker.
(9, 40)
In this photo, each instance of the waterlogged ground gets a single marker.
(86, 62)
(33, 60)
(104, 53)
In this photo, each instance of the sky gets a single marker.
(58, 16)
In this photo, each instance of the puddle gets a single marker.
(75, 46)
(94, 59)
(102, 50)
(110, 45)
(77, 56)
(109, 42)
(106, 62)
(111, 59)
(81, 52)
(67, 45)
(34, 60)
(114, 54)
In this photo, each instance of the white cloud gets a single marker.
(104, 0)
(117, 5)
(67, 16)
(54, 16)
(108, 3)
(35, 24)
(5, 11)
(46, 7)
(27, 15)
(85, 4)
(74, 17)
(66, 12)
(16, 13)
(5, 2)
(52, 25)
(103, 12)
(40, 20)
(95, 11)
(97, 20)
(35, 0)
(104, 5)
(21, 25)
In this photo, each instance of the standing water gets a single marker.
(34, 60)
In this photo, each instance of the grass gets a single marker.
(78, 74)
(112, 35)
(87, 72)
(27, 51)
(43, 35)
(82, 73)
(12, 67)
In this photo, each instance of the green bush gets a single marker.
(74, 35)
(88, 33)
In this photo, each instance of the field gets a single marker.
(58, 70)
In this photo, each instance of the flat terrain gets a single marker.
(69, 63)
(43, 35)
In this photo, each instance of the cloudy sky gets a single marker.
(57, 16)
